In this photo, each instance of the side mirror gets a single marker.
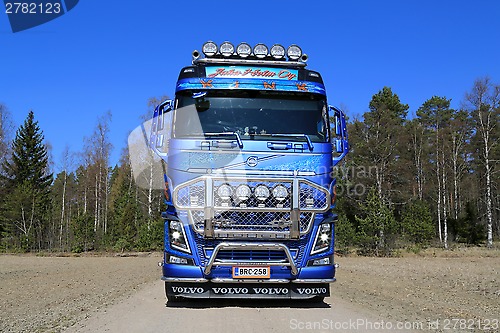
(161, 127)
(338, 133)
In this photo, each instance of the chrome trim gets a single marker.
(238, 137)
(271, 235)
(182, 279)
(314, 280)
(219, 280)
(249, 62)
(252, 246)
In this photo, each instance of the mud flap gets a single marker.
(249, 290)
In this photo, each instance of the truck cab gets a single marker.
(248, 147)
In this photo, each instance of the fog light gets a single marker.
(177, 260)
(262, 192)
(322, 261)
(225, 192)
(280, 192)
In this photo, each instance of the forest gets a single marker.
(407, 183)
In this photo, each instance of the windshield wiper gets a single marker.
(238, 138)
(308, 139)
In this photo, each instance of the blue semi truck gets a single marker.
(248, 148)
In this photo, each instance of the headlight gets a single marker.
(244, 50)
(280, 192)
(177, 237)
(262, 192)
(243, 192)
(227, 49)
(323, 238)
(277, 51)
(209, 49)
(260, 51)
(225, 192)
(294, 52)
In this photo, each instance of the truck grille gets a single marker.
(256, 222)
(205, 249)
(254, 215)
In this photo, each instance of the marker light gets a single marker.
(225, 192)
(209, 49)
(244, 50)
(262, 192)
(243, 192)
(280, 192)
(277, 51)
(227, 49)
(260, 51)
(294, 52)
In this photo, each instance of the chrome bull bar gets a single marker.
(250, 246)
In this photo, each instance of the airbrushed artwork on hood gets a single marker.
(238, 161)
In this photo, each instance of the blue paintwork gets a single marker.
(250, 84)
(187, 161)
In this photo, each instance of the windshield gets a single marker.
(251, 114)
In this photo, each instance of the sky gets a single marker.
(114, 55)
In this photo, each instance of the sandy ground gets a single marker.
(452, 291)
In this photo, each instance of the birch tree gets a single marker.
(434, 115)
(483, 101)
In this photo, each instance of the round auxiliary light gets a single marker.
(262, 192)
(294, 52)
(280, 192)
(225, 192)
(244, 50)
(277, 51)
(243, 192)
(260, 51)
(227, 49)
(209, 49)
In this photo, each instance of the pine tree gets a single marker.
(376, 225)
(27, 182)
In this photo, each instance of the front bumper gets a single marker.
(244, 289)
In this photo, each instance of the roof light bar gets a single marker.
(209, 49)
(260, 52)
(278, 51)
(227, 49)
(294, 52)
(244, 50)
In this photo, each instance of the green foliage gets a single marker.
(83, 233)
(417, 223)
(468, 228)
(345, 234)
(27, 186)
(150, 238)
(376, 226)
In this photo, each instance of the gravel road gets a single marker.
(438, 291)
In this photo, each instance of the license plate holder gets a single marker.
(251, 272)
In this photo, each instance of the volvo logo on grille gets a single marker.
(252, 161)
